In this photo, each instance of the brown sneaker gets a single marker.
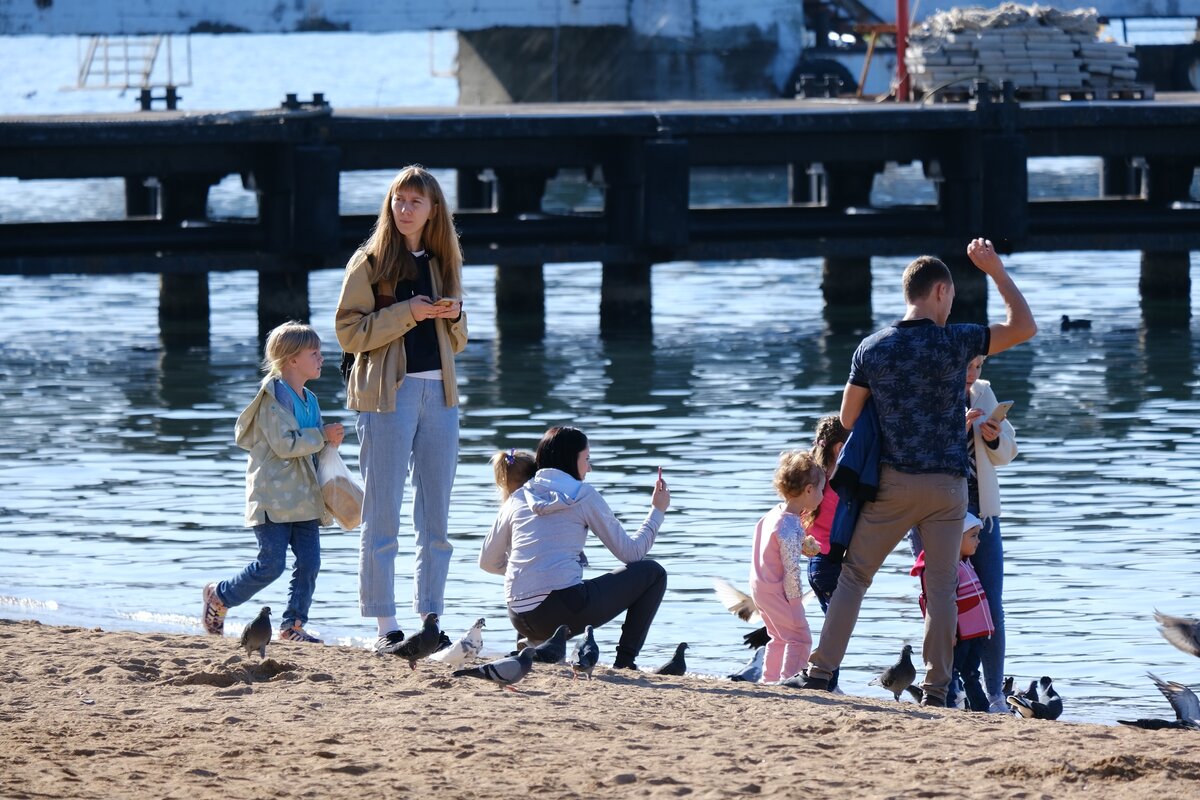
(214, 611)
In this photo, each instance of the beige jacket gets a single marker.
(281, 479)
(378, 338)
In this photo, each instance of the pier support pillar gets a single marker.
(847, 280)
(183, 312)
(1119, 177)
(1165, 279)
(1166, 276)
(625, 300)
(970, 289)
(520, 288)
(520, 301)
(282, 296)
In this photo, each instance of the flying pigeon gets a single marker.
(554, 649)
(503, 672)
(420, 645)
(585, 656)
(740, 604)
(1182, 632)
(1181, 698)
(676, 666)
(752, 672)
(899, 676)
(258, 633)
(467, 647)
(1047, 705)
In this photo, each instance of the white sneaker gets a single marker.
(998, 704)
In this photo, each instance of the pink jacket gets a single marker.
(974, 613)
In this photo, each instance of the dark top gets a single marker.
(916, 372)
(420, 344)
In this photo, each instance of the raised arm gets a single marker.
(1019, 325)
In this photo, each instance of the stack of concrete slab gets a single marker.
(1038, 49)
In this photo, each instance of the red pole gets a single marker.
(901, 46)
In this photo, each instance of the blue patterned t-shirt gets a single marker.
(917, 374)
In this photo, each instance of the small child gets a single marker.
(512, 468)
(823, 572)
(283, 431)
(974, 620)
(775, 569)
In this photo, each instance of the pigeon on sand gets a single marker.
(467, 647)
(752, 672)
(1047, 704)
(899, 676)
(258, 633)
(585, 656)
(503, 672)
(421, 645)
(554, 649)
(676, 666)
(1181, 698)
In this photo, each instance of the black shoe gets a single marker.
(387, 644)
(933, 701)
(802, 680)
(622, 664)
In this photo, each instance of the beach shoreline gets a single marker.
(97, 714)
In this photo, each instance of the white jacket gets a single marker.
(540, 531)
(987, 459)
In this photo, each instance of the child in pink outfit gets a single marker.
(776, 570)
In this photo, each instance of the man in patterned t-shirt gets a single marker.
(915, 371)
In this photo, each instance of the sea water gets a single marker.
(121, 491)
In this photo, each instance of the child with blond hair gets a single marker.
(776, 564)
(283, 431)
(512, 468)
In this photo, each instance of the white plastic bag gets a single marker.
(342, 494)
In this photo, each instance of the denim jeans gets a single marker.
(988, 562)
(638, 587)
(967, 653)
(421, 437)
(274, 538)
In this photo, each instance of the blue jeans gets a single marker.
(967, 653)
(273, 541)
(988, 562)
(420, 436)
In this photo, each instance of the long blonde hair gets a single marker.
(390, 259)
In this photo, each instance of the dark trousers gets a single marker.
(968, 654)
(635, 588)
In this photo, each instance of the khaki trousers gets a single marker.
(935, 504)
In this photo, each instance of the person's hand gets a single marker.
(335, 433)
(990, 430)
(983, 255)
(423, 307)
(809, 546)
(972, 415)
(661, 499)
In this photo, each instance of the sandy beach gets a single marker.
(97, 714)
